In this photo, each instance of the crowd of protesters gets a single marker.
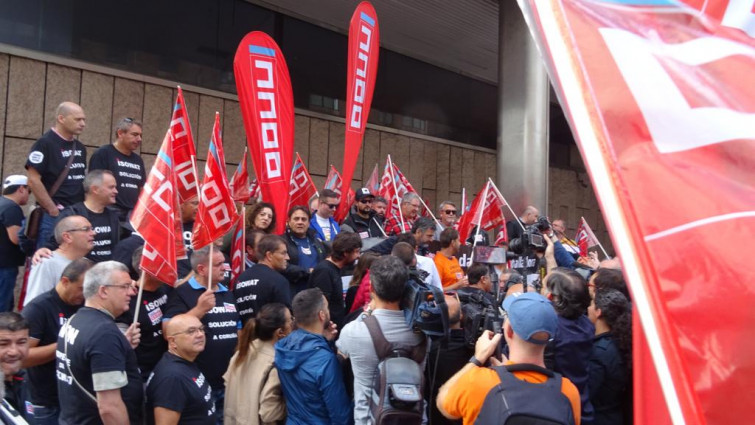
(291, 340)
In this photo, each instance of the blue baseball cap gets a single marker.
(530, 313)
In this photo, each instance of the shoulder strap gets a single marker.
(521, 367)
(64, 173)
(505, 373)
(382, 346)
(67, 362)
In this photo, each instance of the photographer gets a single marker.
(480, 283)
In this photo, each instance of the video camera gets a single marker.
(480, 314)
(532, 238)
(424, 307)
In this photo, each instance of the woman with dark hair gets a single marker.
(609, 279)
(360, 277)
(305, 251)
(252, 388)
(261, 216)
(610, 363)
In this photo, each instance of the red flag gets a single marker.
(364, 46)
(184, 154)
(334, 183)
(373, 183)
(656, 95)
(585, 237)
(238, 251)
(216, 214)
(501, 238)
(240, 188)
(156, 217)
(267, 105)
(302, 186)
(393, 186)
(488, 215)
(333, 180)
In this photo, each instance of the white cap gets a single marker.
(15, 180)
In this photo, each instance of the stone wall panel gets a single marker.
(63, 85)
(158, 110)
(97, 101)
(26, 97)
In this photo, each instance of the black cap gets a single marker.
(364, 193)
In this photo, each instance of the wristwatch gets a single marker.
(475, 362)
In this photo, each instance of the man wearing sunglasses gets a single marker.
(447, 216)
(361, 219)
(322, 221)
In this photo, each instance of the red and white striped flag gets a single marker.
(238, 251)
(216, 214)
(302, 186)
(585, 237)
(488, 214)
(254, 190)
(393, 186)
(184, 153)
(156, 217)
(240, 182)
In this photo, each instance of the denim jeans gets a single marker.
(7, 284)
(46, 415)
(46, 229)
(218, 397)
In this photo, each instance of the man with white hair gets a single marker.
(98, 375)
(410, 204)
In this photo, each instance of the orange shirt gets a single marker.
(448, 268)
(464, 400)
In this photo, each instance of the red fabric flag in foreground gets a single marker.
(267, 105)
(393, 185)
(156, 217)
(488, 215)
(184, 154)
(364, 46)
(240, 182)
(657, 95)
(238, 251)
(302, 186)
(585, 237)
(373, 183)
(217, 212)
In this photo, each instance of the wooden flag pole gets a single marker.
(395, 192)
(516, 218)
(139, 294)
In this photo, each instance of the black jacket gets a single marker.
(297, 276)
(357, 224)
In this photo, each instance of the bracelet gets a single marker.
(475, 362)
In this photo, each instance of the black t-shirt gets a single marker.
(46, 314)
(49, 155)
(152, 344)
(258, 286)
(11, 214)
(95, 346)
(184, 266)
(128, 171)
(179, 385)
(124, 252)
(16, 395)
(327, 277)
(221, 327)
(106, 230)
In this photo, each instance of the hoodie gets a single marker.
(311, 380)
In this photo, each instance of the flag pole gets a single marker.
(243, 235)
(139, 297)
(428, 210)
(600, 245)
(479, 219)
(395, 191)
(516, 218)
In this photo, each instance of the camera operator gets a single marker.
(527, 218)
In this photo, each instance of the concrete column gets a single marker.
(523, 105)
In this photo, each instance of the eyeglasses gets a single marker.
(191, 331)
(80, 229)
(366, 201)
(332, 206)
(450, 212)
(125, 286)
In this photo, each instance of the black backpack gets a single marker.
(517, 402)
(397, 388)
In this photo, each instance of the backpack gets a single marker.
(397, 388)
(517, 402)
(425, 308)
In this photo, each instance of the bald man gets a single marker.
(527, 217)
(49, 159)
(177, 391)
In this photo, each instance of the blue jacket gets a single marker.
(311, 380)
(334, 228)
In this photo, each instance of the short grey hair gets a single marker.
(408, 197)
(200, 256)
(125, 124)
(94, 178)
(444, 203)
(64, 225)
(99, 275)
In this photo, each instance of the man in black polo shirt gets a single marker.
(264, 283)
(327, 274)
(15, 194)
(124, 162)
(205, 298)
(177, 391)
(46, 314)
(98, 377)
(154, 301)
(47, 160)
